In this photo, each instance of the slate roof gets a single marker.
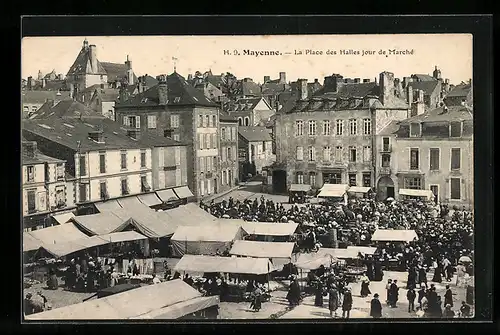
(249, 88)
(179, 93)
(67, 132)
(53, 72)
(52, 85)
(255, 134)
(109, 94)
(116, 71)
(390, 129)
(39, 158)
(244, 104)
(217, 80)
(40, 97)
(460, 91)
(427, 86)
(350, 90)
(423, 77)
(454, 113)
(271, 88)
(149, 81)
(65, 109)
(82, 64)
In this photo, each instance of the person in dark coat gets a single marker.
(412, 277)
(411, 295)
(375, 307)
(257, 299)
(439, 309)
(437, 278)
(28, 304)
(378, 274)
(52, 282)
(388, 290)
(365, 289)
(394, 294)
(347, 303)
(448, 312)
(293, 295)
(318, 301)
(422, 275)
(333, 300)
(448, 296)
(432, 297)
(465, 310)
(421, 294)
(369, 269)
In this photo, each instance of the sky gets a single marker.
(153, 55)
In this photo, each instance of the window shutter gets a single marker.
(177, 156)
(138, 122)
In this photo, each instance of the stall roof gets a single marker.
(150, 199)
(211, 233)
(333, 190)
(30, 243)
(167, 195)
(107, 206)
(416, 193)
(394, 235)
(123, 236)
(131, 202)
(183, 192)
(69, 247)
(63, 218)
(269, 229)
(314, 261)
(147, 221)
(208, 264)
(262, 249)
(359, 189)
(125, 305)
(181, 309)
(100, 224)
(363, 250)
(57, 234)
(339, 253)
(192, 212)
(300, 188)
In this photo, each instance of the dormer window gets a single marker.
(456, 129)
(177, 99)
(415, 129)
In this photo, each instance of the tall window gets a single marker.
(455, 191)
(83, 166)
(300, 153)
(352, 154)
(202, 164)
(83, 192)
(174, 121)
(200, 121)
(367, 179)
(414, 159)
(312, 154)
(60, 171)
(152, 121)
(208, 139)
(385, 144)
(299, 128)
(367, 153)
(386, 160)
(214, 120)
(229, 152)
(353, 127)
(352, 179)
(233, 134)
(434, 159)
(455, 129)
(210, 121)
(326, 127)
(300, 177)
(124, 186)
(30, 173)
(327, 154)
(246, 121)
(123, 156)
(312, 178)
(176, 137)
(414, 183)
(338, 154)
(143, 159)
(414, 129)
(367, 126)
(240, 121)
(455, 158)
(312, 128)
(223, 134)
(31, 194)
(144, 184)
(102, 162)
(339, 127)
(205, 120)
(224, 177)
(103, 190)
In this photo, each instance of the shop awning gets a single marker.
(107, 206)
(147, 221)
(269, 229)
(131, 202)
(123, 236)
(209, 233)
(126, 305)
(150, 199)
(167, 195)
(300, 188)
(30, 243)
(394, 235)
(363, 250)
(262, 249)
(181, 309)
(183, 192)
(416, 193)
(333, 190)
(63, 218)
(100, 224)
(314, 261)
(359, 189)
(339, 253)
(210, 264)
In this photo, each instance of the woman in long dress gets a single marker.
(333, 300)
(438, 270)
(365, 290)
(257, 299)
(318, 302)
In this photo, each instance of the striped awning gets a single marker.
(167, 195)
(183, 192)
(150, 199)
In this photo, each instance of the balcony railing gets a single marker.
(385, 170)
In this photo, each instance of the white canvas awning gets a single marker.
(417, 193)
(107, 206)
(269, 229)
(150, 199)
(101, 223)
(131, 202)
(359, 189)
(181, 309)
(363, 250)
(339, 253)
(209, 233)
(63, 218)
(167, 195)
(30, 243)
(300, 188)
(123, 236)
(314, 261)
(394, 235)
(183, 192)
(262, 249)
(333, 190)
(211, 264)
(57, 234)
(69, 247)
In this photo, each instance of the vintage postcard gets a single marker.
(276, 177)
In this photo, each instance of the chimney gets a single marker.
(130, 72)
(357, 80)
(316, 81)
(93, 57)
(267, 79)
(40, 75)
(29, 148)
(333, 82)
(30, 83)
(282, 77)
(134, 133)
(97, 135)
(44, 82)
(386, 83)
(85, 44)
(366, 80)
(437, 73)
(72, 91)
(410, 95)
(162, 90)
(302, 89)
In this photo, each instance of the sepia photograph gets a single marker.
(248, 177)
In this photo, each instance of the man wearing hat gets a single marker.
(347, 303)
(375, 307)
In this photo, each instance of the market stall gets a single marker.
(149, 199)
(107, 206)
(297, 193)
(394, 235)
(280, 253)
(426, 195)
(62, 218)
(101, 223)
(334, 193)
(359, 191)
(269, 232)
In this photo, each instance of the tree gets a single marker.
(230, 86)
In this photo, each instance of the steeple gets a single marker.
(85, 43)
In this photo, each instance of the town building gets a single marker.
(330, 137)
(433, 151)
(271, 89)
(32, 101)
(434, 87)
(229, 164)
(44, 185)
(65, 109)
(255, 150)
(106, 160)
(250, 111)
(459, 95)
(175, 109)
